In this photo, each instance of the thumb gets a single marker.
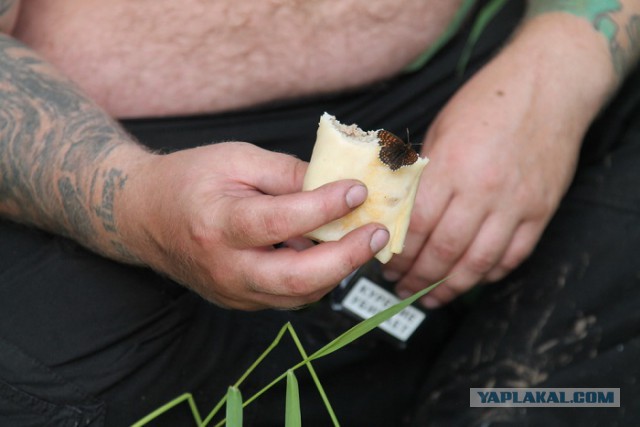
(267, 220)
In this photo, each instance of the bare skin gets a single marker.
(66, 167)
(156, 57)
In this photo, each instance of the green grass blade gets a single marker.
(234, 407)
(484, 17)
(316, 380)
(367, 325)
(449, 32)
(264, 354)
(194, 411)
(170, 405)
(253, 366)
(292, 418)
(233, 398)
(214, 411)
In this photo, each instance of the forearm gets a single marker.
(617, 21)
(573, 55)
(64, 164)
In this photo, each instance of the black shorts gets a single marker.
(87, 341)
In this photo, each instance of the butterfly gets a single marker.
(394, 152)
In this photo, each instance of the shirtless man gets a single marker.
(208, 217)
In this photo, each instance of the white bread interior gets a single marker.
(347, 152)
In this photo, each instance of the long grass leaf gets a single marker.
(316, 380)
(264, 354)
(234, 407)
(449, 32)
(253, 366)
(484, 17)
(367, 325)
(170, 405)
(292, 418)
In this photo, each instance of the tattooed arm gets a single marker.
(507, 144)
(207, 217)
(59, 166)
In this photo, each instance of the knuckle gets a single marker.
(351, 262)
(522, 195)
(421, 217)
(324, 207)
(254, 282)
(458, 287)
(537, 199)
(295, 285)
(199, 231)
(514, 258)
(239, 226)
(445, 250)
(496, 274)
(273, 227)
(298, 170)
(481, 262)
(547, 206)
(248, 228)
(415, 283)
(491, 179)
(446, 292)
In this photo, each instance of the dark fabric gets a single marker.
(93, 342)
(86, 341)
(89, 341)
(569, 316)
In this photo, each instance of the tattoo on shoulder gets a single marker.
(619, 26)
(53, 141)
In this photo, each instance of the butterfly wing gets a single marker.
(394, 152)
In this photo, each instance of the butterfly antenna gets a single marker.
(412, 143)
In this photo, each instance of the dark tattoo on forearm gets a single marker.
(73, 203)
(53, 141)
(114, 180)
(619, 26)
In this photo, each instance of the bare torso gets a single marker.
(163, 57)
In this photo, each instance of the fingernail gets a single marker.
(356, 195)
(391, 276)
(430, 302)
(379, 240)
(403, 293)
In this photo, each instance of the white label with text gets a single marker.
(367, 299)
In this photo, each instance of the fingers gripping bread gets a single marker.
(388, 167)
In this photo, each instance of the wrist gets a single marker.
(570, 59)
(119, 200)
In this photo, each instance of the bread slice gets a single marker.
(348, 152)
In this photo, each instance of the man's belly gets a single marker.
(162, 57)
